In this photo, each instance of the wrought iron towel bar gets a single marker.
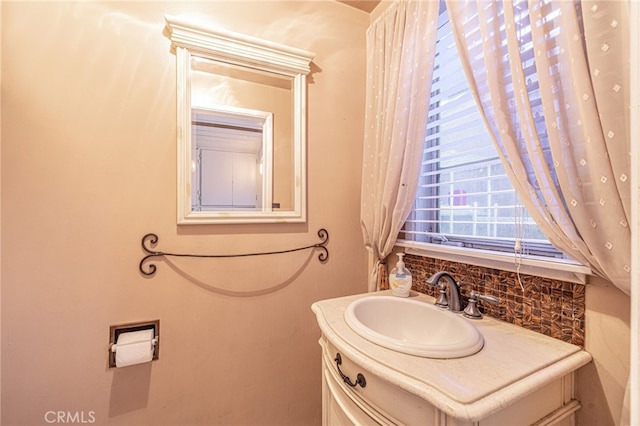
(323, 234)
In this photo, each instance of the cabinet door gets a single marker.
(339, 409)
(228, 180)
(216, 178)
(245, 188)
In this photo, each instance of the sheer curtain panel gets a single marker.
(551, 79)
(400, 49)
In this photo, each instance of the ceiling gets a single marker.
(366, 5)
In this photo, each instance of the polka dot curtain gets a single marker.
(400, 49)
(552, 82)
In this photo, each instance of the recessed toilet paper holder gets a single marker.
(116, 330)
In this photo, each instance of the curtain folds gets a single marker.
(558, 117)
(400, 50)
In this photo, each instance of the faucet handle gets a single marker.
(442, 300)
(487, 298)
(472, 311)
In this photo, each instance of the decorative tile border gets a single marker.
(551, 307)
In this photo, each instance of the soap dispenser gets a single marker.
(400, 279)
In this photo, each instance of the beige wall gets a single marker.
(602, 383)
(0, 217)
(88, 167)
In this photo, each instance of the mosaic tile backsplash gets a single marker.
(551, 307)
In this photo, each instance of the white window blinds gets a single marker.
(464, 196)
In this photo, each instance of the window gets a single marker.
(465, 198)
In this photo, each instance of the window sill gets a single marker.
(557, 269)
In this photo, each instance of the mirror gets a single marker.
(241, 129)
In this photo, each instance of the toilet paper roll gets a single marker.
(134, 347)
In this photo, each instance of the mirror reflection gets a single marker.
(224, 87)
(231, 159)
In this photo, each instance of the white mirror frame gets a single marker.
(253, 54)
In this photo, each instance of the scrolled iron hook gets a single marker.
(151, 239)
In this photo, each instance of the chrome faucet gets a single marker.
(454, 302)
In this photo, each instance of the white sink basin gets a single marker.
(413, 327)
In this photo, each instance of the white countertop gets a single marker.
(513, 362)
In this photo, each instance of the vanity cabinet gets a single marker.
(518, 378)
